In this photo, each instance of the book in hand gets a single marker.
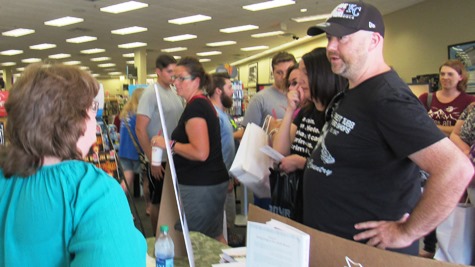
(275, 244)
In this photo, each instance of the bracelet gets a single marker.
(172, 146)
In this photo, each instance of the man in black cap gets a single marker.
(362, 180)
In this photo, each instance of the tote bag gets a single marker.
(456, 236)
(251, 166)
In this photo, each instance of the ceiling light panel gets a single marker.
(115, 73)
(268, 5)
(180, 37)
(42, 46)
(18, 32)
(129, 30)
(222, 43)
(311, 18)
(177, 57)
(132, 45)
(92, 51)
(31, 60)
(174, 49)
(267, 34)
(72, 62)
(98, 59)
(106, 65)
(11, 52)
(7, 64)
(81, 39)
(209, 53)
(131, 62)
(59, 56)
(124, 7)
(63, 21)
(254, 48)
(204, 60)
(239, 28)
(189, 19)
(128, 55)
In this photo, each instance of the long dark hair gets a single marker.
(323, 83)
(47, 110)
(196, 70)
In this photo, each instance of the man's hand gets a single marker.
(384, 234)
(157, 172)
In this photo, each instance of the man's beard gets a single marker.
(226, 101)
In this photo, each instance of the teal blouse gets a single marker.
(67, 214)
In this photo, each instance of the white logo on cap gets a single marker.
(354, 9)
(371, 25)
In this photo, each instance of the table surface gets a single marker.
(206, 250)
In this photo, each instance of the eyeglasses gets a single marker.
(333, 105)
(293, 83)
(95, 106)
(181, 79)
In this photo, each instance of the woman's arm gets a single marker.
(198, 148)
(284, 137)
(455, 137)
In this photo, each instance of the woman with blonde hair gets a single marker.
(129, 147)
(56, 209)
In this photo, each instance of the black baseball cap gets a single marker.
(350, 17)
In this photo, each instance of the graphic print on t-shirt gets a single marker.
(444, 116)
(338, 124)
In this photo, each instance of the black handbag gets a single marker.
(285, 194)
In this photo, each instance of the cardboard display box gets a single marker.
(331, 251)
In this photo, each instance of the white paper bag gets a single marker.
(251, 166)
(456, 236)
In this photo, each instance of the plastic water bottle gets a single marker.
(164, 248)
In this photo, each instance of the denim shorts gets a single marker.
(130, 165)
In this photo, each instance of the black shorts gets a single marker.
(155, 186)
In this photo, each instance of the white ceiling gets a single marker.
(32, 14)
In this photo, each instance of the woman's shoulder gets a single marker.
(76, 171)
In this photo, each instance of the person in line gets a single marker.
(444, 108)
(270, 101)
(149, 124)
(221, 95)
(463, 134)
(196, 143)
(446, 104)
(296, 137)
(362, 180)
(58, 210)
(128, 152)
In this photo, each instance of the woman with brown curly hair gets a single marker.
(58, 210)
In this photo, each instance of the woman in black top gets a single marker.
(196, 143)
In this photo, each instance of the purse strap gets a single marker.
(137, 147)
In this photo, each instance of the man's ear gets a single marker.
(218, 91)
(376, 38)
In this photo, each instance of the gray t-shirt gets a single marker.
(172, 106)
(269, 101)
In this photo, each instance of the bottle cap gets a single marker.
(164, 228)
